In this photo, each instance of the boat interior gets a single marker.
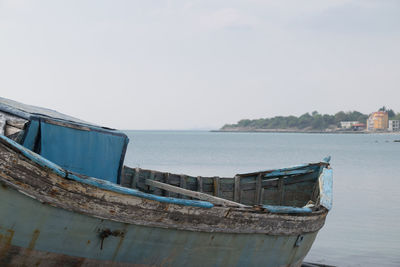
(295, 187)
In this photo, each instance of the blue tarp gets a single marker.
(71, 143)
(91, 153)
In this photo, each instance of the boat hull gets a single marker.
(37, 234)
(49, 217)
(54, 213)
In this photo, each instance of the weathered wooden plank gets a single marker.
(247, 197)
(283, 170)
(257, 193)
(251, 185)
(227, 195)
(148, 187)
(271, 197)
(261, 200)
(237, 189)
(174, 179)
(182, 184)
(216, 186)
(135, 178)
(208, 180)
(166, 180)
(293, 196)
(197, 195)
(14, 121)
(225, 186)
(17, 123)
(199, 183)
(315, 192)
(125, 178)
(281, 190)
(297, 199)
(10, 130)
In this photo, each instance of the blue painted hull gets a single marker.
(35, 233)
(54, 213)
(49, 217)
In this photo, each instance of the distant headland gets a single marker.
(383, 120)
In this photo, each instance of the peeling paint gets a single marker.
(35, 237)
(130, 227)
(326, 187)
(5, 241)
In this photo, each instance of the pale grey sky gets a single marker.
(199, 64)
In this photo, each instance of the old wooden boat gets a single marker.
(66, 199)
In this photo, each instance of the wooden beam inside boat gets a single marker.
(216, 184)
(197, 195)
(199, 183)
(182, 184)
(257, 193)
(166, 180)
(236, 194)
(135, 178)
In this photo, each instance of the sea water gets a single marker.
(362, 229)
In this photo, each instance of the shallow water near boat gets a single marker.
(361, 229)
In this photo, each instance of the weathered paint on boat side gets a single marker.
(325, 188)
(42, 184)
(286, 209)
(48, 236)
(67, 220)
(52, 213)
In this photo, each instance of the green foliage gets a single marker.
(397, 117)
(391, 113)
(313, 121)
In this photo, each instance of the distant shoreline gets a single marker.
(298, 131)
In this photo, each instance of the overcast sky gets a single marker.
(199, 64)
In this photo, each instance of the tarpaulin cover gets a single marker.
(71, 143)
(91, 153)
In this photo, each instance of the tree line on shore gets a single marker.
(313, 121)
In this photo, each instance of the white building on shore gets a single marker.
(394, 125)
(348, 124)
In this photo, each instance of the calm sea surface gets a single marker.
(363, 229)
